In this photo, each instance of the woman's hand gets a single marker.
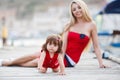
(103, 66)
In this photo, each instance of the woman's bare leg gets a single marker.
(21, 60)
(32, 63)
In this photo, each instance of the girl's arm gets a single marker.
(96, 45)
(61, 63)
(40, 62)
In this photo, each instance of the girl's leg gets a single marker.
(55, 70)
(21, 60)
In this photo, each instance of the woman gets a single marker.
(78, 33)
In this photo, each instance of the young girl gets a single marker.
(51, 55)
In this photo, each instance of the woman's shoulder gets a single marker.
(66, 26)
(91, 24)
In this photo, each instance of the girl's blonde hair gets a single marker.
(86, 15)
(53, 39)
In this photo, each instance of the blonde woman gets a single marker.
(78, 33)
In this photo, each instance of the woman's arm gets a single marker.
(96, 45)
(61, 63)
(64, 38)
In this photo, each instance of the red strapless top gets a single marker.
(76, 44)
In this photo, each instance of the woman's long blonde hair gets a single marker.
(86, 15)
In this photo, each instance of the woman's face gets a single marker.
(76, 10)
(52, 48)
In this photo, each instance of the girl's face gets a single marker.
(52, 48)
(76, 10)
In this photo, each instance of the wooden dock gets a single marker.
(86, 69)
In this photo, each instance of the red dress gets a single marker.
(75, 46)
(50, 62)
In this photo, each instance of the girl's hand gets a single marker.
(42, 69)
(61, 73)
(38, 68)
